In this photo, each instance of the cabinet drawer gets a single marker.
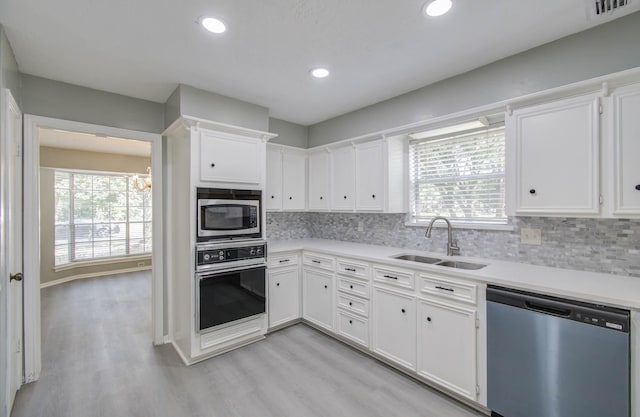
(318, 261)
(394, 276)
(353, 269)
(353, 287)
(353, 304)
(455, 290)
(353, 328)
(285, 259)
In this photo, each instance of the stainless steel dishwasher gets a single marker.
(550, 357)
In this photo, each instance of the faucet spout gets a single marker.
(452, 246)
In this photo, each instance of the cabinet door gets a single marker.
(294, 180)
(394, 326)
(370, 176)
(317, 298)
(556, 157)
(284, 300)
(447, 346)
(227, 158)
(319, 181)
(343, 181)
(273, 194)
(626, 123)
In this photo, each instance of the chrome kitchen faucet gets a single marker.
(452, 245)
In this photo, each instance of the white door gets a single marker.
(319, 181)
(317, 297)
(11, 195)
(273, 194)
(394, 326)
(294, 180)
(370, 175)
(284, 303)
(343, 178)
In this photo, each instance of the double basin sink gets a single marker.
(440, 262)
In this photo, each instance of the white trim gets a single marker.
(189, 122)
(94, 275)
(98, 262)
(456, 225)
(32, 342)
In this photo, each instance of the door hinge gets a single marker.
(600, 109)
(18, 150)
(477, 323)
(477, 390)
(601, 199)
(19, 346)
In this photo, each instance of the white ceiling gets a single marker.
(375, 49)
(92, 143)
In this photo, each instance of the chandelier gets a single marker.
(142, 184)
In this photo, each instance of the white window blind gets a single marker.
(460, 177)
(99, 216)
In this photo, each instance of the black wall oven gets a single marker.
(230, 283)
(228, 214)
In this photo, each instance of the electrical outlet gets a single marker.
(360, 226)
(531, 236)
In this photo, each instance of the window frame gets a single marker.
(505, 224)
(73, 260)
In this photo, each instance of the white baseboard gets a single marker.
(94, 275)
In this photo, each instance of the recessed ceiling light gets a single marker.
(320, 72)
(213, 25)
(435, 8)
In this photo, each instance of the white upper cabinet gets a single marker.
(286, 178)
(553, 154)
(343, 178)
(227, 158)
(294, 180)
(319, 180)
(626, 150)
(370, 176)
(273, 194)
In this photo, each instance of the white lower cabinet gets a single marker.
(284, 300)
(353, 328)
(317, 297)
(394, 326)
(447, 346)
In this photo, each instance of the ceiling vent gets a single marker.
(601, 8)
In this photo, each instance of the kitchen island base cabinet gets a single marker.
(394, 326)
(317, 297)
(447, 346)
(284, 301)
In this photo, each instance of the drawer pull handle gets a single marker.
(390, 277)
(350, 269)
(284, 260)
(403, 311)
(315, 262)
(444, 288)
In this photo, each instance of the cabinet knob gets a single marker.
(532, 191)
(638, 187)
(290, 198)
(345, 197)
(320, 197)
(373, 196)
(351, 286)
(403, 310)
(277, 284)
(273, 196)
(350, 321)
(429, 319)
(350, 303)
(326, 286)
(213, 165)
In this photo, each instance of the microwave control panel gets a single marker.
(217, 255)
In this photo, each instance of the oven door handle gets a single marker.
(212, 273)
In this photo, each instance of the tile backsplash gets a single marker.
(599, 245)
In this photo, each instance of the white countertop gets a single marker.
(613, 290)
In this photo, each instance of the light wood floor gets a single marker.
(98, 360)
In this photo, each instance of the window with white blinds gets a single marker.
(460, 177)
(100, 216)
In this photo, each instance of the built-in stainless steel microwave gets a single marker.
(228, 214)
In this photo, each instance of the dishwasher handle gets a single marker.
(548, 309)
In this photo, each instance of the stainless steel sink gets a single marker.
(418, 258)
(461, 265)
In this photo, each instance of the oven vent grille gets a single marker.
(603, 7)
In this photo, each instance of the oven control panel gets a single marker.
(219, 253)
